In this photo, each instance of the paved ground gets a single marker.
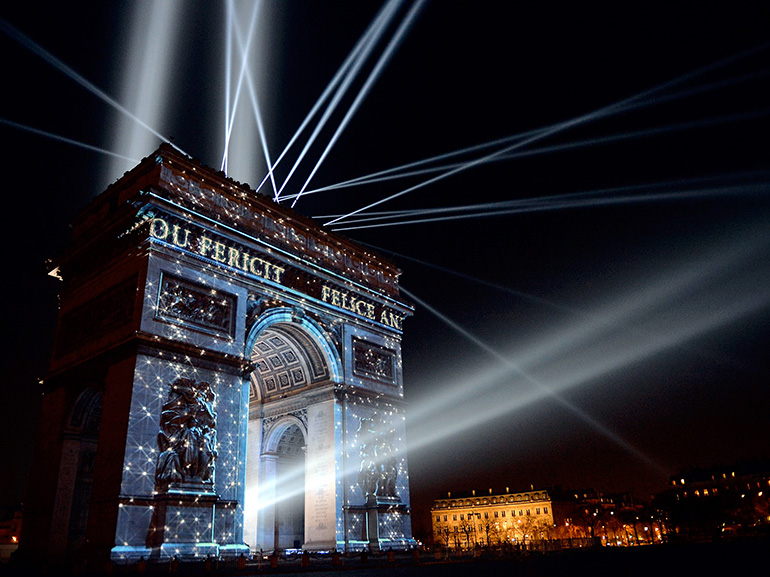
(702, 560)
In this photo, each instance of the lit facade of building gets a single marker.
(226, 378)
(492, 520)
(550, 518)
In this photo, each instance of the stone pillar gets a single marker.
(372, 523)
(320, 478)
(251, 499)
(266, 525)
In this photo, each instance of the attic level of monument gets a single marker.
(234, 207)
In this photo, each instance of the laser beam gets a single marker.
(362, 54)
(373, 75)
(64, 139)
(38, 50)
(560, 127)
(403, 172)
(341, 72)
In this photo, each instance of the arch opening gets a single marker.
(290, 356)
(290, 490)
(79, 447)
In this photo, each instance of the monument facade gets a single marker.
(226, 378)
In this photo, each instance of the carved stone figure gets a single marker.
(367, 473)
(187, 436)
(378, 472)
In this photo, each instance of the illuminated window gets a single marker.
(537, 511)
(545, 510)
(527, 511)
(496, 514)
(438, 518)
(503, 513)
(454, 517)
(444, 517)
(462, 517)
(486, 515)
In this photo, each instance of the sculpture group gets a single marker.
(187, 436)
(379, 471)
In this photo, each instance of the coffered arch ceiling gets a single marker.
(287, 359)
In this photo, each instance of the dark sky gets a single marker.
(610, 344)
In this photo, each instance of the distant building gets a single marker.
(464, 522)
(719, 502)
(556, 517)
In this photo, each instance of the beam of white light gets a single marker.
(229, 16)
(245, 148)
(359, 60)
(253, 92)
(473, 407)
(603, 112)
(66, 140)
(35, 48)
(287, 484)
(562, 202)
(703, 88)
(400, 171)
(607, 340)
(261, 129)
(373, 75)
(403, 172)
(384, 174)
(373, 27)
(624, 313)
(544, 390)
(577, 372)
(146, 77)
(234, 31)
(362, 53)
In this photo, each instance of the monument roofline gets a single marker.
(197, 188)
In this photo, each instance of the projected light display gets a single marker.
(570, 317)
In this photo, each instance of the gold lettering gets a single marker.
(163, 232)
(175, 237)
(336, 298)
(219, 251)
(254, 269)
(205, 246)
(325, 292)
(277, 273)
(234, 256)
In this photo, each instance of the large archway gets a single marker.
(73, 493)
(243, 354)
(291, 358)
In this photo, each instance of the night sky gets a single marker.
(607, 338)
